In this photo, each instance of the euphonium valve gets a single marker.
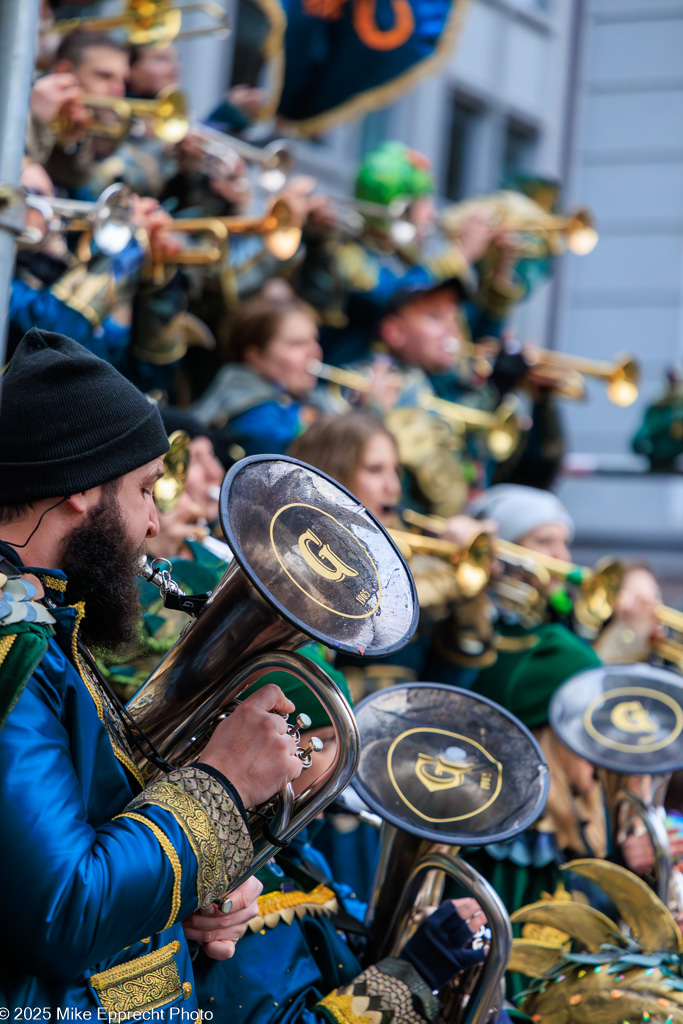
(310, 562)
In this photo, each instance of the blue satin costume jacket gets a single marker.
(87, 890)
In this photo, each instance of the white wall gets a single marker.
(628, 167)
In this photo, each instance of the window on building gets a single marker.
(521, 142)
(466, 120)
(535, 6)
(374, 129)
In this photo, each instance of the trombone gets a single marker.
(598, 587)
(502, 427)
(107, 218)
(113, 116)
(513, 211)
(278, 227)
(152, 21)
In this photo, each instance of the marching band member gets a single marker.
(260, 400)
(420, 328)
(105, 303)
(298, 962)
(97, 64)
(105, 870)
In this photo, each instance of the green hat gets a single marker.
(393, 171)
(531, 665)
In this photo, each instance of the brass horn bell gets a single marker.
(627, 720)
(444, 768)
(310, 562)
(170, 486)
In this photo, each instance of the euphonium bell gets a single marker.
(444, 768)
(148, 22)
(627, 720)
(310, 562)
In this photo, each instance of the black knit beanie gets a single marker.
(69, 421)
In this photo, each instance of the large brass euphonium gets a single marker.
(444, 769)
(310, 562)
(627, 720)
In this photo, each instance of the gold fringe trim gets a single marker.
(273, 52)
(120, 755)
(383, 95)
(5, 645)
(169, 849)
(284, 906)
(54, 584)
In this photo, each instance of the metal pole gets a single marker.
(18, 39)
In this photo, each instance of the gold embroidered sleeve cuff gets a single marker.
(390, 992)
(90, 294)
(212, 822)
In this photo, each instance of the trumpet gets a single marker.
(622, 375)
(598, 587)
(513, 211)
(355, 213)
(472, 564)
(107, 218)
(502, 427)
(278, 227)
(275, 159)
(326, 571)
(151, 21)
(113, 116)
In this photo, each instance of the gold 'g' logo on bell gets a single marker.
(437, 773)
(631, 716)
(324, 561)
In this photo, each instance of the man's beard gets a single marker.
(101, 566)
